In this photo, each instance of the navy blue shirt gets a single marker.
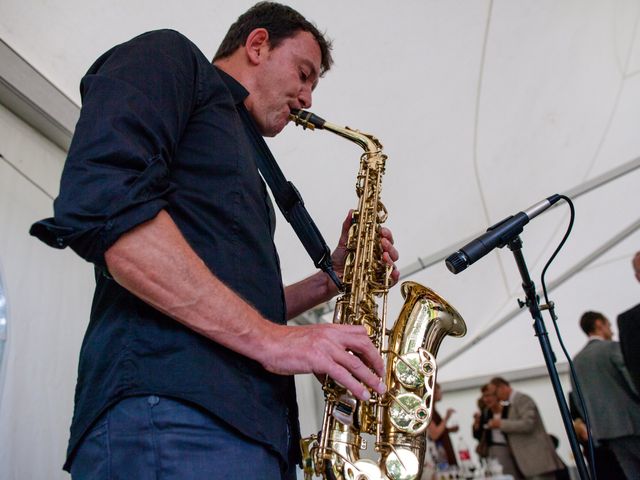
(160, 129)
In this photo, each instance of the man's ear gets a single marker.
(257, 45)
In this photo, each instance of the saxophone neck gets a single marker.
(305, 119)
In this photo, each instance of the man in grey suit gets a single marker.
(611, 399)
(528, 440)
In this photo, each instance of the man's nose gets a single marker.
(305, 97)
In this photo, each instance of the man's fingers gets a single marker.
(390, 250)
(360, 371)
(386, 233)
(395, 273)
(360, 344)
(344, 352)
(342, 376)
(350, 358)
(346, 224)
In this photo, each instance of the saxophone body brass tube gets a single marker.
(398, 419)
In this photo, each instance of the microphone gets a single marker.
(496, 236)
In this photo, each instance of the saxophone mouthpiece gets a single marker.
(306, 119)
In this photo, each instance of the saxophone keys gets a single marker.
(408, 370)
(363, 469)
(344, 409)
(402, 464)
(428, 364)
(409, 413)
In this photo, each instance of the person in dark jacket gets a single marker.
(611, 401)
(186, 367)
(629, 332)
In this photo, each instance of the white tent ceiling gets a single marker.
(484, 108)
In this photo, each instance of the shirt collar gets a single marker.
(238, 92)
(596, 337)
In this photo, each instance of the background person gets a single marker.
(611, 400)
(439, 432)
(629, 329)
(494, 439)
(528, 440)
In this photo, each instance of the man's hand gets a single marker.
(344, 352)
(318, 288)
(581, 430)
(390, 254)
(476, 419)
(325, 349)
(494, 423)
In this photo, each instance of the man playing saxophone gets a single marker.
(185, 368)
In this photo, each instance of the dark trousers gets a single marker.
(606, 463)
(627, 452)
(158, 438)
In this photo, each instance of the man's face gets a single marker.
(284, 81)
(604, 328)
(636, 265)
(503, 391)
(489, 396)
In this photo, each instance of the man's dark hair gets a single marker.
(497, 381)
(281, 22)
(588, 321)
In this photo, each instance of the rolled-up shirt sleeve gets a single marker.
(136, 101)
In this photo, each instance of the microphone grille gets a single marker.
(456, 262)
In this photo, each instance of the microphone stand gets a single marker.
(532, 302)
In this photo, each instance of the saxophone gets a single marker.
(399, 418)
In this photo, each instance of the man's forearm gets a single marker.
(155, 263)
(308, 293)
(319, 288)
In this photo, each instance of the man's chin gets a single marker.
(272, 133)
(270, 130)
(276, 129)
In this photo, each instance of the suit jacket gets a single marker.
(530, 444)
(629, 328)
(612, 402)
